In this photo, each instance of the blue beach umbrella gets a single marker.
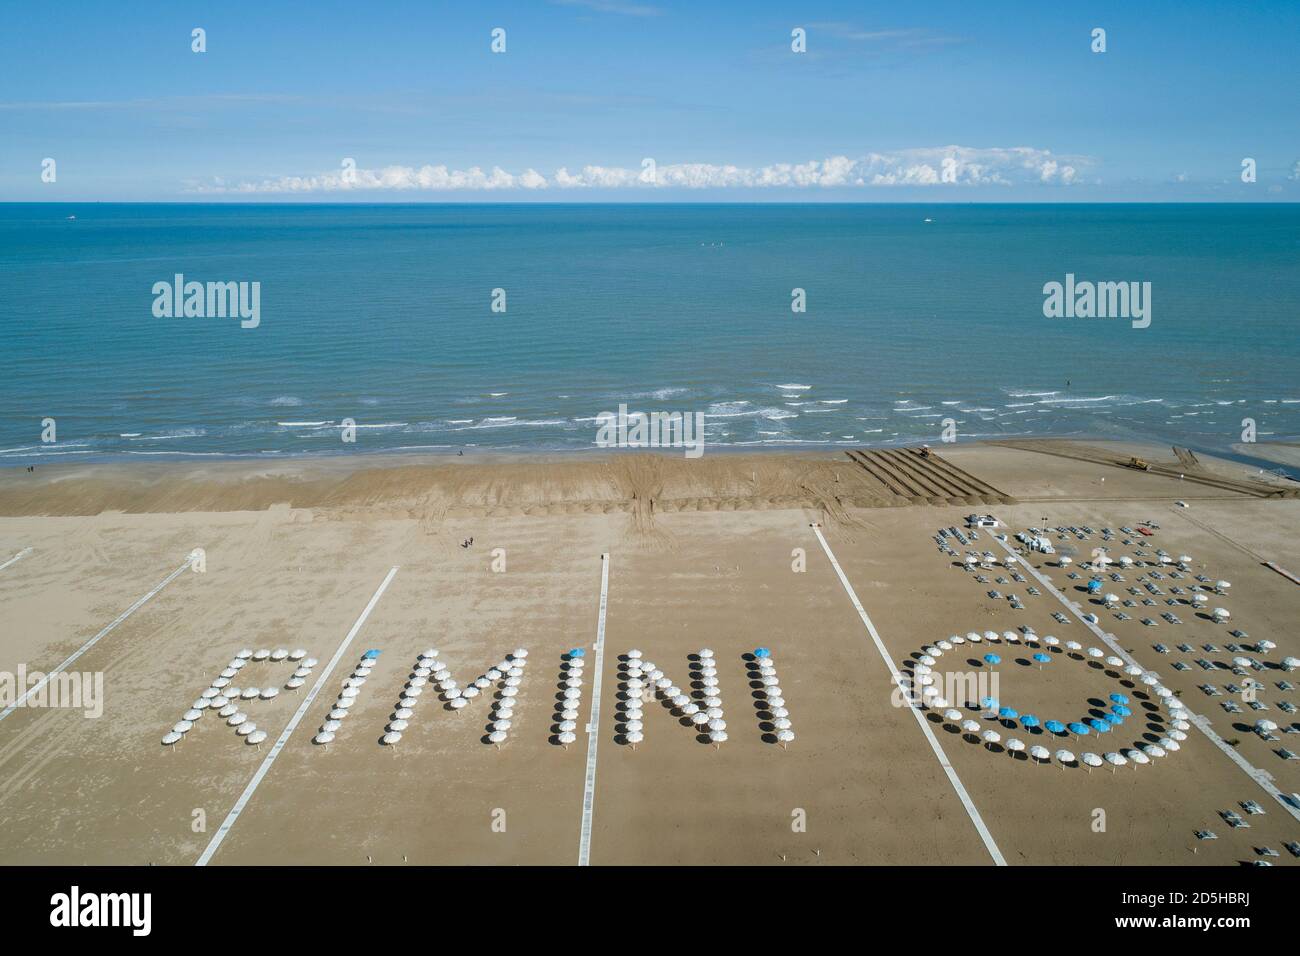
(1113, 719)
(578, 652)
(992, 658)
(1118, 699)
(1055, 726)
(1078, 729)
(1094, 586)
(762, 652)
(1121, 710)
(1099, 725)
(1042, 659)
(371, 654)
(1029, 720)
(1008, 713)
(989, 703)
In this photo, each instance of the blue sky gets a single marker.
(1009, 94)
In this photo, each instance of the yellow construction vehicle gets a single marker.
(1139, 464)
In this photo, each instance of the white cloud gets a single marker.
(968, 166)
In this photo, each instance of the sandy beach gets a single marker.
(721, 553)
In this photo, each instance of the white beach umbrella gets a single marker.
(1091, 759)
(330, 726)
(690, 710)
(970, 726)
(1114, 661)
(227, 710)
(567, 737)
(293, 683)
(297, 654)
(244, 654)
(323, 738)
(235, 719)
(944, 645)
(182, 726)
(784, 737)
(567, 714)
(256, 738)
(469, 693)
(775, 701)
(634, 738)
(1015, 744)
(245, 729)
(717, 738)
(279, 654)
(229, 672)
(391, 738)
(310, 662)
(498, 737)
(1073, 646)
(991, 737)
(457, 703)
(1063, 757)
(398, 725)
(337, 713)
(954, 715)
(990, 635)
(270, 693)
(169, 739)
(1154, 750)
(1040, 753)
(1096, 652)
(261, 654)
(192, 715)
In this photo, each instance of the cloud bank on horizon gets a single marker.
(926, 166)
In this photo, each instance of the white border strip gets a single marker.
(95, 640)
(16, 558)
(1261, 777)
(965, 798)
(593, 726)
(253, 784)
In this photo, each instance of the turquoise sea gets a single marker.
(382, 314)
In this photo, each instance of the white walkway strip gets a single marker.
(969, 804)
(253, 784)
(593, 727)
(95, 640)
(16, 558)
(1261, 777)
